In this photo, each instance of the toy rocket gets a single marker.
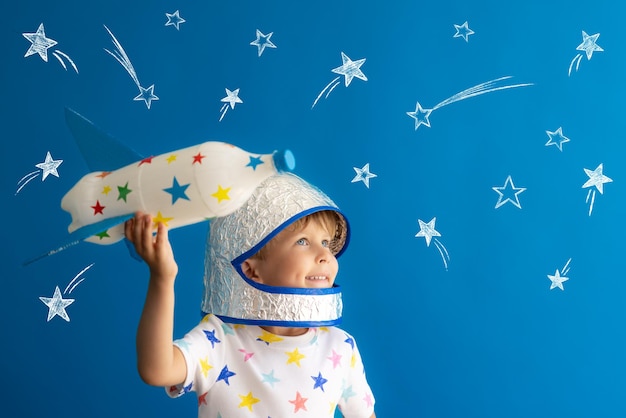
(178, 188)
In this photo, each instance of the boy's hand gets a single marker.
(156, 251)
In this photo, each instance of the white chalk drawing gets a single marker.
(588, 45)
(232, 98)
(364, 175)
(428, 231)
(349, 69)
(508, 193)
(595, 183)
(174, 19)
(422, 115)
(145, 94)
(40, 45)
(49, 166)
(262, 41)
(57, 304)
(559, 276)
(463, 31)
(557, 139)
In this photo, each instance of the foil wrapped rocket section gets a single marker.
(277, 202)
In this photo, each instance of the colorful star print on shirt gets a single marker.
(251, 372)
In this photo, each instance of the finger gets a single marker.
(128, 229)
(146, 233)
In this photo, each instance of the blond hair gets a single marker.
(327, 219)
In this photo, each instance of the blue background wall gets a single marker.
(486, 337)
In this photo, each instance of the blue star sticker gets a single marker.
(557, 138)
(262, 41)
(174, 19)
(463, 31)
(507, 189)
(39, 43)
(420, 115)
(254, 161)
(225, 374)
(147, 95)
(177, 191)
(350, 69)
(211, 337)
(319, 381)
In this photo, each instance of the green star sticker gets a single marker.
(103, 235)
(123, 192)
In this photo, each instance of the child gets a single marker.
(270, 265)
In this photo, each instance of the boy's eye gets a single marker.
(302, 241)
(325, 243)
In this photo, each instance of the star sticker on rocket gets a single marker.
(595, 183)
(428, 231)
(508, 193)
(177, 191)
(231, 99)
(174, 19)
(349, 69)
(262, 41)
(463, 31)
(364, 175)
(589, 46)
(221, 194)
(557, 139)
(56, 305)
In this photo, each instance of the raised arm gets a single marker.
(159, 362)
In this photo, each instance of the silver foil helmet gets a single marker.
(276, 203)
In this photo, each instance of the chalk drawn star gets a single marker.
(39, 43)
(210, 335)
(56, 305)
(350, 69)
(420, 115)
(262, 41)
(507, 189)
(147, 95)
(463, 31)
(49, 166)
(299, 402)
(596, 179)
(269, 378)
(589, 44)
(427, 230)
(232, 97)
(174, 19)
(364, 175)
(177, 191)
(557, 280)
(225, 374)
(557, 138)
(319, 381)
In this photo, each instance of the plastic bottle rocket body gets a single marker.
(178, 188)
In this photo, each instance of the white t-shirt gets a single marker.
(243, 370)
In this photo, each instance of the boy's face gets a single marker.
(299, 258)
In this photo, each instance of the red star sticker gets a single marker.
(173, 389)
(198, 158)
(299, 402)
(146, 160)
(103, 174)
(97, 209)
(202, 398)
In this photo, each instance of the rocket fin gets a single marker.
(101, 151)
(83, 233)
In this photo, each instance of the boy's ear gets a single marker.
(249, 269)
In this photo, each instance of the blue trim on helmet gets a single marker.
(269, 323)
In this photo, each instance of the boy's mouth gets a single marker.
(316, 278)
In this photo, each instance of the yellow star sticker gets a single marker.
(248, 400)
(161, 219)
(171, 158)
(294, 357)
(221, 194)
(106, 189)
(268, 337)
(204, 363)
